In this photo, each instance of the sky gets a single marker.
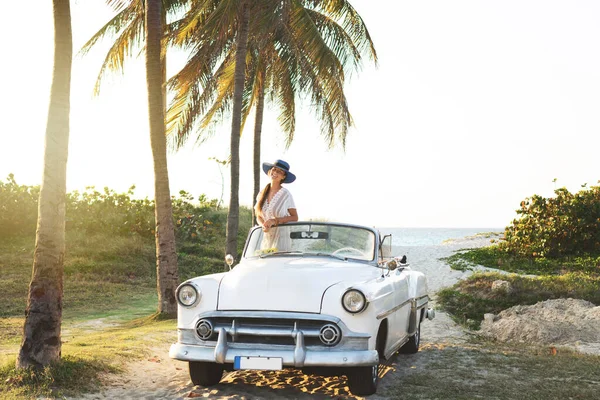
(474, 106)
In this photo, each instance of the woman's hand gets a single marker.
(269, 224)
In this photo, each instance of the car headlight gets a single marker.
(187, 295)
(354, 301)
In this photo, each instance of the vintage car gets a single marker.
(330, 300)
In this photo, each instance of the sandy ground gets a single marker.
(159, 377)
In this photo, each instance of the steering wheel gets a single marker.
(350, 250)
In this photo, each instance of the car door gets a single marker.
(401, 317)
(398, 319)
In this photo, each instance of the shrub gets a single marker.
(199, 225)
(89, 211)
(565, 225)
(92, 211)
(18, 208)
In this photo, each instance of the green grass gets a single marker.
(95, 279)
(120, 267)
(493, 257)
(89, 351)
(71, 375)
(495, 372)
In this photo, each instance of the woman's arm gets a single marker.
(293, 217)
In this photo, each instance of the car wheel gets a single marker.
(362, 381)
(412, 346)
(205, 373)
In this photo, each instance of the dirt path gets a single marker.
(159, 377)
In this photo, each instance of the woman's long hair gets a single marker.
(262, 197)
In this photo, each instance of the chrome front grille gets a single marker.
(272, 331)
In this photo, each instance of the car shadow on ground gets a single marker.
(286, 384)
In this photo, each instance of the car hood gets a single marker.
(286, 283)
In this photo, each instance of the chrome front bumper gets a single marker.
(298, 357)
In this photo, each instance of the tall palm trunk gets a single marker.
(166, 256)
(41, 343)
(236, 123)
(260, 106)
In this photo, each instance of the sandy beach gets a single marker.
(159, 377)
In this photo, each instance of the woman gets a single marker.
(275, 206)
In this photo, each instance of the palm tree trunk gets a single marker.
(236, 123)
(41, 343)
(166, 256)
(163, 65)
(260, 106)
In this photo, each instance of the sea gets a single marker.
(431, 236)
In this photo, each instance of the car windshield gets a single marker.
(337, 241)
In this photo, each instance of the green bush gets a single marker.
(108, 212)
(18, 208)
(565, 225)
(92, 211)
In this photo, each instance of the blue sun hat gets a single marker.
(289, 177)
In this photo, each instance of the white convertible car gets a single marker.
(330, 300)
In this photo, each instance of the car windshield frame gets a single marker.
(318, 239)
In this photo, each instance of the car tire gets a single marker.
(362, 381)
(205, 373)
(412, 346)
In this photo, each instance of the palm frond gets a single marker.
(284, 95)
(224, 94)
(195, 95)
(338, 40)
(118, 5)
(114, 26)
(131, 37)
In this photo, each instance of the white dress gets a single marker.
(277, 237)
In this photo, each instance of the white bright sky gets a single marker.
(475, 105)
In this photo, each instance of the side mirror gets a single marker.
(386, 247)
(392, 265)
(229, 260)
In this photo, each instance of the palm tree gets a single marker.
(166, 256)
(295, 48)
(41, 344)
(130, 23)
(236, 129)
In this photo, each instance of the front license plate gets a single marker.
(263, 363)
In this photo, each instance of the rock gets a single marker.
(488, 318)
(501, 286)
